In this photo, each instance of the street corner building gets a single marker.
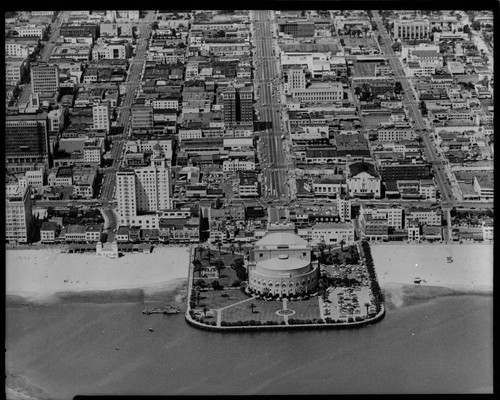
(282, 265)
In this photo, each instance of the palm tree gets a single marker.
(252, 306)
(205, 309)
(198, 295)
(232, 250)
(239, 247)
(342, 242)
(367, 305)
(197, 267)
(219, 245)
(219, 264)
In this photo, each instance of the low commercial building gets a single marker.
(329, 233)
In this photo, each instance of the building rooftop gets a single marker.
(358, 167)
(281, 239)
(283, 263)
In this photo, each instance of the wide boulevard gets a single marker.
(269, 107)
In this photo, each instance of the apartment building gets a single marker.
(44, 78)
(101, 116)
(18, 216)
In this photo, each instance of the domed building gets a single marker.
(282, 265)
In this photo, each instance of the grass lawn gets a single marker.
(305, 309)
(214, 299)
(264, 311)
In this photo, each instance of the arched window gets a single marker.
(291, 284)
(297, 284)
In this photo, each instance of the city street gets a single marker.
(132, 84)
(54, 34)
(413, 107)
(274, 162)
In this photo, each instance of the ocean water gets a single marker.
(440, 346)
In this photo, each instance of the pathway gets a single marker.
(218, 310)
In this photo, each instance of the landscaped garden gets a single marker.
(220, 298)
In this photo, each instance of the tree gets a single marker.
(322, 247)
(342, 242)
(198, 267)
(216, 285)
(423, 108)
(398, 88)
(476, 25)
(219, 265)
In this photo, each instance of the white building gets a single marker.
(296, 79)
(392, 214)
(329, 233)
(363, 180)
(408, 29)
(282, 265)
(110, 50)
(13, 71)
(238, 165)
(17, 213)
(18, 50)
(320, 92)
(143, 146)
(101, 116)
(30, 30)
(56, 120)
(144, 190)
(426, 216)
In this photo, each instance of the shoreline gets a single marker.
(173, 291)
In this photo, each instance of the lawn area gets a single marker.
(305, 309)
(264, 311)
(214, 299)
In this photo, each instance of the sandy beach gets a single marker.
(38, 274)
(471, 269)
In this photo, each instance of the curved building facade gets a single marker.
(282, 265)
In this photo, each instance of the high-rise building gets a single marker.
(26, 142)
(101, 116)
(245, 106)
(17, 213)
(229, 104)
(144, 190)
(238, 106)
(296, 78)
(142, 116)
(44, 78)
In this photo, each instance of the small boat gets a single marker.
(417, 280)
(449, 261)
(151, 330)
